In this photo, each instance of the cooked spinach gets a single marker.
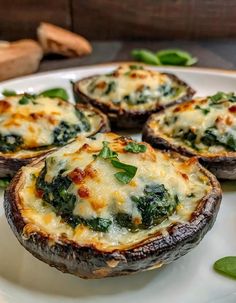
(155, 205)
(211, 137)
(10, 143)
(84, 120)
(125, 220)
(57, 195)
(204, 110)
(64, 132)
(111, 87)
(166, 90)
(188, 136)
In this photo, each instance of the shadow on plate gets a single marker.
(19, 267)
(228, 186)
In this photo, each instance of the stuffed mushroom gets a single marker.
(34, 125)
(131, 93)
(204, 127)
(108, 206)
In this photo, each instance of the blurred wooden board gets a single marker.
(20, 18)
(154, 19)
(216, 54)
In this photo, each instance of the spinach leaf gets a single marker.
(175, 57)
(10, 143)
(220, 97)
(127, 174)
(106, 152)
(64, 132)
(136, 148)
(226, 266)
(4, 182)
(9, 93)
(164, 57)
(145, 56)
(57, 92)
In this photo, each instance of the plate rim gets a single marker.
(190, 69)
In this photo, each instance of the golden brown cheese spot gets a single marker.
(4, 106)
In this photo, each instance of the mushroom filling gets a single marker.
(132, 85)
(154, 205)
(31, 122)
(203, 124)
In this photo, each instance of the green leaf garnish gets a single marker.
(128, 172)
(136, 148)
(145, 56)
(205, 111)
(24, 100)
(175, 57)
(164, 57)
(226, 266)
(4, 182)
(8, 93)
(219, 96)
(57, 92)
(106, 152)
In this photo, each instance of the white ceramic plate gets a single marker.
(190, 279)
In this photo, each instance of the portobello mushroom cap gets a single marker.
(33, 126)
(112, 228)
(204, 128)
(130, 94)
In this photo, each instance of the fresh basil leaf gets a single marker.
(175, 57)
(128, 173)
(145, 56)
(106, 152)
(4, 182)
(227, 266)
(55, 93)
(135, 148)
(8, 93)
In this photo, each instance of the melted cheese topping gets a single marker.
(197, 116)
(133, 88)
(106, 195)
(36, 121)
